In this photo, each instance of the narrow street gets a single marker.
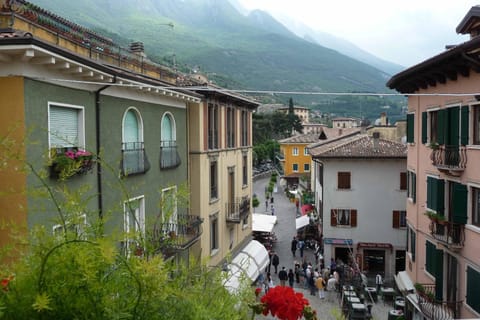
(285, 231)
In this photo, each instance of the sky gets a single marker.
(405, 32)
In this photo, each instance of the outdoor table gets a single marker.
(394, 314)
(371, 291)
(348, 288)
(348, 293)
(359, 311)
(387, 293)
(353, 300)
(400, 304)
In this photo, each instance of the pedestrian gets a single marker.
(275, 261)
(331, 288)
(269, 282)
(301, 247)
(271, 200)
(311, 282)
(266, 204)
(333, 265)
(294, 246)
(320, 284)
(378, 282)
(283, 276)
(270, 254)
(291, 277)
(273, 210)
(297, 272)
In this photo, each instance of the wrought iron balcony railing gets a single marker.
(238, 210)
(451, 159)
(280, 156)
(433, 308)
(450, 234)
(175, 236)
(169, 157)
(134, 159)
(212, 139)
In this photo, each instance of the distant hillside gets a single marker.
(254, 52)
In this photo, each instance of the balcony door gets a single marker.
(452, 278)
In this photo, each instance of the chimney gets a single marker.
(340, 131)
(137, 48)
(383, 119)
(376, 138)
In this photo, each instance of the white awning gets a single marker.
(247, 264)
(404, 283)
(302, 221)
(263, 222)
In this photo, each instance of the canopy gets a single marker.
(404, 284)
(247, 264)
(263, 222)
(302, 221)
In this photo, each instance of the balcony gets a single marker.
(168, 238)
(134, 159)
(435, 309)
(280, 156)
(237, 211)
(169, 157)
(448, 233)
(449, 159)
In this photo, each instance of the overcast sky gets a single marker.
(405, 32)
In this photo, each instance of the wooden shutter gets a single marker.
(430, 202)
(344, 180)
(333, 218)
(459, 205)
(414, 187)
(396, 219)
(439, 274)
(473, 288)
(464, 126)
(403, 181)
(424, 127)
(410, 127)
(441, 126)
(440, 196)
(414, 245)
(453, 128)
(63, 129)
(353, 218)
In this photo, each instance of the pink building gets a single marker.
(443, 206)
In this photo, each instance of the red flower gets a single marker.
(257, 291)
(284, 303)
(4, 283)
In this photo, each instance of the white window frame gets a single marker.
(306, 167)
(214, 247)
(305, 151)
(295, 151)
(139, 223)
(173, 126)
(293, 167)
(349, 215)
(139, 122)
(79, 228)
(172, 221)
(81, 123)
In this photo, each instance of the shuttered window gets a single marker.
(344, 180)
(459, 205)
(411, 185)
(435, 195)
(65, 127)
(403, 181)
(410, 127)
(413, 243)
(464, 128)
(399, 219)
(343, 217)
(473, 289)
(430, 257)
(424, 127)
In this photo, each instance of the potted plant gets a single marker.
(65, 164)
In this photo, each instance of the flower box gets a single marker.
(68, 163)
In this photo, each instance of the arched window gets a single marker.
(169, 157)
(133, 150)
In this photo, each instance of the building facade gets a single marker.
(360, 189)
(443, 194)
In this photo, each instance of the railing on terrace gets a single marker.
(449, 158)
(280, 156)
(82, 40)
(238, 210)
(449, 233)
(134, 159)
(435, 309)
(169, 157)
(179, 235)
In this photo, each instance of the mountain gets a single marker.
(341, 45)
(251, 52)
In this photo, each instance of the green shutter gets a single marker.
(413, 245)
(424, 127)
(464, 126)
(438, 274)
(440, 196)
(441, 118)
(414, 186)
(473, 289)
(410, 127)
(453, 128)
(430, 193)
(460, 194)
(430, 257)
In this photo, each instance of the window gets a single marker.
(213, 179)
(169, 157)
(410, 127)
(306, 167)
(473, 288)
(133, 222)
(75, 225)
(245, 128)
(295, 167)
(295, 151)
(412, 236)
(214, 241)
(343, 180)
(430, 126)
(133, 152)
(230, 124)
(399, 219)
(212, 126)
(476, 124)
(66, 127)
(244, 170)
(430, 257)
(476, 207)
(403, 181)
(343, 217)
(435, 195)
(305, 151)
(169, 211)
(412, 185)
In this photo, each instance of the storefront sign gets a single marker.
(338, 241)
(374, 245)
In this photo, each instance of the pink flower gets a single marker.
(82, 153)
(70, 154)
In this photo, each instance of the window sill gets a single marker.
(244, 186)
(344, 189)
(473, 228)
(473, 147)
(214, 252)
(214, 200)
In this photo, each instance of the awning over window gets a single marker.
(302, 221)
(404, 284)
(263, 222)
(247, 264)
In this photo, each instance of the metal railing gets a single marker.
(133, 158)
(447, 157)
(237, 211)
(436, 309)
(449, 233)
(169, 157)
(173, 236)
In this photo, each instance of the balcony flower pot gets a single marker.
(65, 164)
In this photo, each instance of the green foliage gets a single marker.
(255, 201)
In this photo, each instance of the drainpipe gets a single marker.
(97, 138)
